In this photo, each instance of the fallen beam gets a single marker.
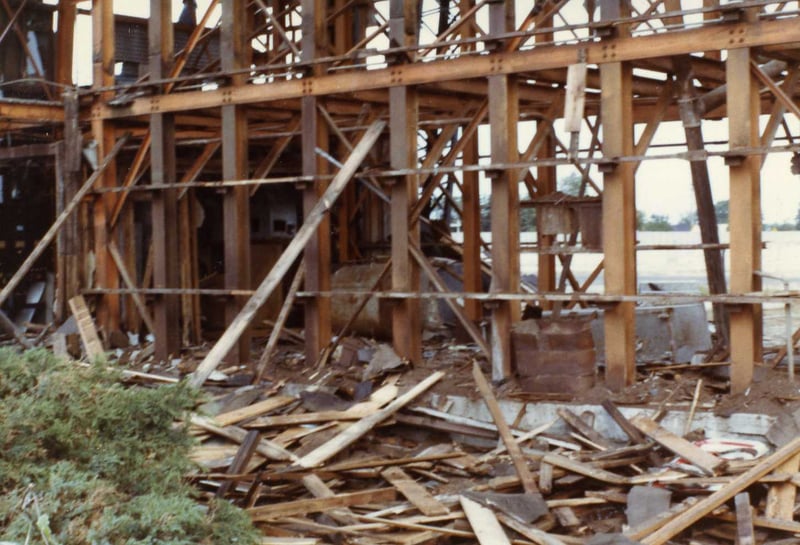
(296, 246)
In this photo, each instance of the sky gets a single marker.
(663, 187)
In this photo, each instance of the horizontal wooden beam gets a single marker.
(678, 42)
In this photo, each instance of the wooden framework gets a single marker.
(296, 84)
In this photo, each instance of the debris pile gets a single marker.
(316, 468)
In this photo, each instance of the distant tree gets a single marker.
(527, 219)
(570, 184)
(640, 220)
(657, 222)
(797, 219)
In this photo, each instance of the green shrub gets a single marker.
(85, 459)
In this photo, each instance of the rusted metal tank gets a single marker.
(376, 318)
(554, 355)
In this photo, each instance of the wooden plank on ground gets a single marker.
(583, 469)
(781, 497)
(86, 328)
(292, 251)
(265, 447)
(317, 505)
(256, 409)
(706, 462)
(514, 450)
(319, 489)
(705, 506)
(331, 448)
(484, 523)
(414, 492)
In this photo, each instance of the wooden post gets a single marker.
(619, 218)
(65, 39)
(315, 135)
(403, 120)
(234, 46)
(108, 308)
(166, 259)
(503, 116)
(471, 226)
(745, 216)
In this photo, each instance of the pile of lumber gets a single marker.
(313, 468)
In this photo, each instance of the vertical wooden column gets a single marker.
(403, 121)
(471, 205)
(547, 183)
(619, 216)
(68, 243)
(234, 49)
(471, 226)
(65, 40)
(342, 41)
(166, 260)
(503, 116)
(315, 135)
(745, 217)
(108, 309)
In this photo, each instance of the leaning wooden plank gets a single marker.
(630, 430)
(126, 277)
(484, 523)
(514, 451)
(280, 321)
(69, 208)
(708, 504)
(583, 428)
(469, 326)
(781, 497)
(256, 409)
(293, 250)
(706, 462)
(89, 336)
(316, 505)
(330, 449)
(240, 461)
(265, 447)
(414, 492)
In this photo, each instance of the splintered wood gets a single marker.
(317, 468)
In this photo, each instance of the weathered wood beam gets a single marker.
(315, 135)
(108, 307)
(624, 48)
(165, 325)
(619, 224)
(234, 48)
(701, 182)
(403, 120)
(745, 217)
